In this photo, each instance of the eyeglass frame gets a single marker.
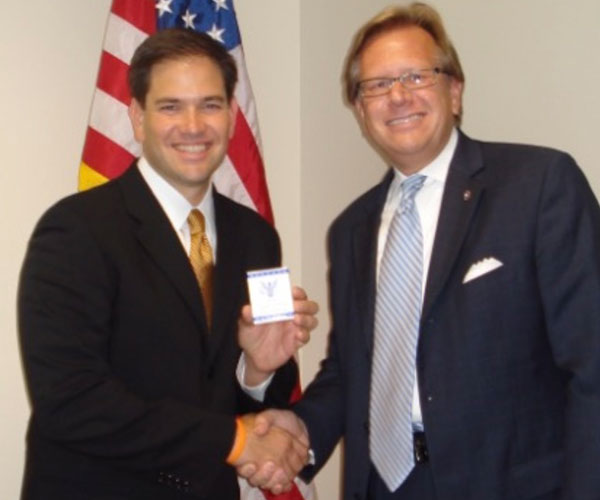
(401, 79)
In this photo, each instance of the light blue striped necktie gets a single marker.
(397, 315)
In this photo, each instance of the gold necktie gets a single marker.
(201, 259)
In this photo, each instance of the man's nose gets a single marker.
(193, 121)
(398, 93)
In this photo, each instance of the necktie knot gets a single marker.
(196, 222)
(410, 188)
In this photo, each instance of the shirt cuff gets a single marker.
(256, 392)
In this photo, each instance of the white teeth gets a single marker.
(191, 148)
(405, 119)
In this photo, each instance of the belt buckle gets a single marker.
(420, 448)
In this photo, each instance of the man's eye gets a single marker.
(379, 84)
(167, 107)
(414, 78)
(212, 106)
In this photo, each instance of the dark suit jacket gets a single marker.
(132, 397)
(509, 363)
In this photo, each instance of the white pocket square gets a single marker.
(482, 267)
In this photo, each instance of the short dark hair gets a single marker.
(416, 14)
(176, 43)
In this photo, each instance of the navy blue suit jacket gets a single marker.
(132, 396)
(508, 364)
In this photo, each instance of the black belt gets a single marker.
(420, 448)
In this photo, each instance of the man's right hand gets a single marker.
(272, 456)
(266, 474)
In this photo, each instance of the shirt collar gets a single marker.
(438, 169)
(174, 204)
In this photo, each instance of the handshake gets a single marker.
(270, 449)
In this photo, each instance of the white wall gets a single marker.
(532, 75)
(49, 53)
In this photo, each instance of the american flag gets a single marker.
(110, 147)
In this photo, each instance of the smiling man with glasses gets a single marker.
(464, 357)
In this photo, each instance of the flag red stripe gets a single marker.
(296, 392)
(112, 77)
(140, 13)
(293, 494)
(245, 156)
(105, 156)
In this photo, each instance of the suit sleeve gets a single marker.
(568, 267)
(65, 299)
(322, 404)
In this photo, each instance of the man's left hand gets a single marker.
(268, 346)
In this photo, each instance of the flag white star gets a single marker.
(188, 19)
(220, 4)
(216, 33)
(164, 6)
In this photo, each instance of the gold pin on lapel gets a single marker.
(467, 195)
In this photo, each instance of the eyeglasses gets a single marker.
(411, 80)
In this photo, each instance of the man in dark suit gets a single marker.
(130, 370)
(502, 378)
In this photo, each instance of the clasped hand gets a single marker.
(272, 456)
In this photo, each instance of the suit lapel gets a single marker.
(155, 234)
(229, 272)
(462, 194)
(364, 246)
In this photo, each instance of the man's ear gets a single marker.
(456, 93)
(136, 116)
(233, 111)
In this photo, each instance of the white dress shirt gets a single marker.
(428, 202)
(177, 207)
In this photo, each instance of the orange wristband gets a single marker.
(239, 443)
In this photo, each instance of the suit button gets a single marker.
(366, 426)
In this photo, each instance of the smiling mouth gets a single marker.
(191, 148)
(401, 120)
